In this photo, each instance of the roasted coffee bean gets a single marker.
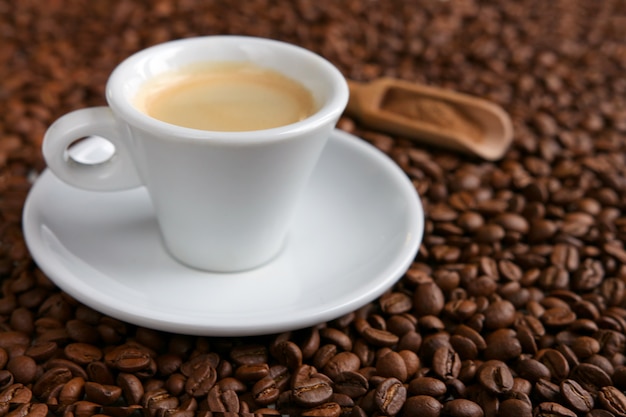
(499, 314)
(422, 406)
(131, 387)
(249, 355)
(428, 386)
(555, 362)
(311, 392)
(128, 359)
(82, 353)
(201, 380)
(392, 365)
(100, 373)
(352, 384)
(16, 394)
(289, 354)
(102, 394)
(551, 409)
(23, 368)
(503, 345)
(395, 303)
(515, 407)
(309, 387)
(464, 347)
(428, 298)
(390, 396)
(547, 390)
(495, 376)
(461, 407)
(590, 377)
(72, 391)
(533, 370)
(159, 399)
(223, 400)
(446, 363)
(379, 337)
(252, 372)
(49, 381)
(29, 410)
(613, 400)
(265, 391)
(342, 362)
(578, 398)
(330, 409)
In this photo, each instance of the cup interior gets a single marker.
(320, 77)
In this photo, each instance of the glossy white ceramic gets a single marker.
(355, 232)
(224, 200)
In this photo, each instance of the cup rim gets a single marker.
(328, 112)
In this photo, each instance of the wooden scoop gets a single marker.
(432, 115)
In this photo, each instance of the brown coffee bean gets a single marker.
(555, 362)
(49, 381)
(102, 394)
(461, 407)
(495, 376)
(249, 355)
(422, 406)
(175, 384)
(265, 391)
(131, 387)
(613, 400)
(551, 409)
(72, 391)
(342, 362)
(428, 386)
(547, 390)
(16, 394)
(201, 380)
(29, 410)
(311, 392)
(100, 373)
(23, 368)
(379, 337)
(330, 409)
(533, 370)
(590, 377)
(499, 314)
(128, 359)
(503, 345)
(223, 401)
(13, 338)
(159, 399)
(578, 398)
(446, 363)
(585, 346)
(392, 365)
(252, 372)
(464, 346)
(396, 303)
(352, 384)
(428, 298)
(82, 353)
(289, 354)
(390, 396)
(460, 310)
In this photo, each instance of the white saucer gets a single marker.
(356, 232)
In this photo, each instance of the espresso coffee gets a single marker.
(226, 96)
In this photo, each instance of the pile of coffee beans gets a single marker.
(516, 302)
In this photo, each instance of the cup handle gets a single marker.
(116, 173)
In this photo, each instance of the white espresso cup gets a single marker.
(224, 200)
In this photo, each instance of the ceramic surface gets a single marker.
(356, 231)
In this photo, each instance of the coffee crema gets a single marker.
(225, 96)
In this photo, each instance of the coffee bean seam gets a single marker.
(520, 274)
